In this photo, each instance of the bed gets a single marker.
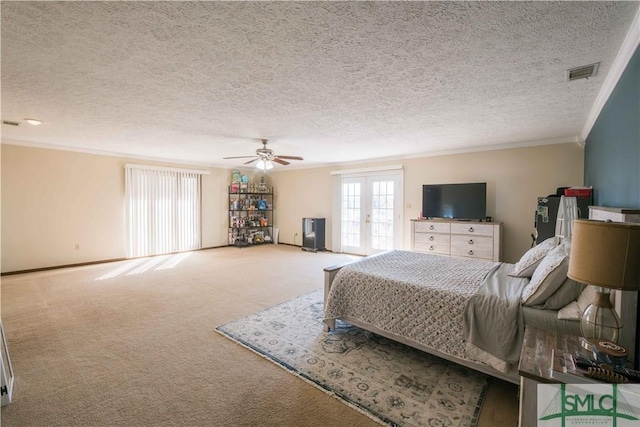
(463, 310)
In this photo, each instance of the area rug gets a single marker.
(392, 383)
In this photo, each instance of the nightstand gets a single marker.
(535, 367)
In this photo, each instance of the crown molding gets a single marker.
(631, 42)
(82, 150)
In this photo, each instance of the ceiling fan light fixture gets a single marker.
(264, 165)
(265, 158)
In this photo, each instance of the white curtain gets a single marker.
(163, 210)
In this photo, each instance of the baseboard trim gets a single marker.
(84, 264)
(56, 267)
(300, 246)
(290, 244)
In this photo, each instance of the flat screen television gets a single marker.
(456, 201)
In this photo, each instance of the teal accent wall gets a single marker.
(612, 150)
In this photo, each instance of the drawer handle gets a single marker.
(431, 227)
(471, 241)
(431, 248)
(470, 229)
(431, 238)
(470, 252)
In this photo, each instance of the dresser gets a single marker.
(466, 239)
(604, 213)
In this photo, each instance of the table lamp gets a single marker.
(607, 255)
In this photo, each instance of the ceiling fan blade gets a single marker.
(291, 157)
(251, 161)
(279, 160)
(237, 157)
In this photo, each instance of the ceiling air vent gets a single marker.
(10, 123)
(583, 72)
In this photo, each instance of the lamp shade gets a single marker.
(606, 254)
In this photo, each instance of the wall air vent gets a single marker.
(10, 123)
(583, 72)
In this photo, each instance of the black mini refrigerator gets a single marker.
(313, 234)
(547, 214)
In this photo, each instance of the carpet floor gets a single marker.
(132, 343)
(393, 383)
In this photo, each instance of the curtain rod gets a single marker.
(167, 169)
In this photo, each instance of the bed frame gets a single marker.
(329, 275)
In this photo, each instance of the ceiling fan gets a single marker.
(265, 155)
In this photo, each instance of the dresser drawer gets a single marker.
(472, 246)
(432, 227)
(427, 239)
(475, 229)
(440, 247)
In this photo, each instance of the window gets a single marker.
(163, 210)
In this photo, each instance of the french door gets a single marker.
(371, 213)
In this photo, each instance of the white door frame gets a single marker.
(365, 177)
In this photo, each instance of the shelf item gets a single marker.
(250, 214)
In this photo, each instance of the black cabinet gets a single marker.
(313, 234)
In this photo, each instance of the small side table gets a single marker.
(535, 367)
(6, 371)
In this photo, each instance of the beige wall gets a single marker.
(54, 200)
(515, 178)
(301, 193)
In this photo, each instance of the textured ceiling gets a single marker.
(330, 81)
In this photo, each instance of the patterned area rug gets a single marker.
(392, 383)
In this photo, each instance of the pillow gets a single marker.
(532, 258)
(547, 278)
(586, 297)
(574, 310)
(570, 311)
(569, 291)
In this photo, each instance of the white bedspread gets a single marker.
(421, 297)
